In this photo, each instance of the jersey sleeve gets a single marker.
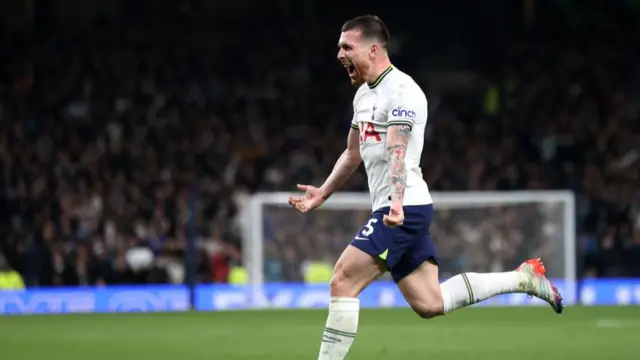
(356, 98)
(354, 123)
(404, 107)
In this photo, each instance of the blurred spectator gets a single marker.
(9, 278)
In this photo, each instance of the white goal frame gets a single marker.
(253, 239)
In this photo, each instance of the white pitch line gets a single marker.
(617, 323)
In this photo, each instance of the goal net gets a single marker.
(472, 231)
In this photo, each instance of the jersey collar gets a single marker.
(380, 77)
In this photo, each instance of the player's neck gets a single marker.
(378, 72)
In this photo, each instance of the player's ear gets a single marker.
(373, 51)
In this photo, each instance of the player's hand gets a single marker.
(311, 199)
(395, 217)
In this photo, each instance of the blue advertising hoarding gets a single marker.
(170, 298)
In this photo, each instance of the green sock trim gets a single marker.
(338, 332)
(466, 281)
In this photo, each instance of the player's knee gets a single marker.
(353, 272)
(347, 280)
(342, 283)
(339, 286)
(429, 308)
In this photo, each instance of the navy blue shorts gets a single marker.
(402, 249)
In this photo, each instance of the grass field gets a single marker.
(478, 334)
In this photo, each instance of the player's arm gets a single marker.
(400, 120)
(397, 140)
(347, 163)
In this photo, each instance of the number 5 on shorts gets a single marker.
(368, 227)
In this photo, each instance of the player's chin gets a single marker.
(356, 81)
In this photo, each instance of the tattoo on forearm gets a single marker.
(403, 131)
(396, 152)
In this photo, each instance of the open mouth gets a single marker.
(350, 69)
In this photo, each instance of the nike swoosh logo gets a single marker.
(360, 238)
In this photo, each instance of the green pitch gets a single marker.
(475, 334)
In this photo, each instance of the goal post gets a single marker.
(473, 231)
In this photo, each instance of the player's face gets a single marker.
(354, 54)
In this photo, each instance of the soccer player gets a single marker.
(387, 132)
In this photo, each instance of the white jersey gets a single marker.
(394, 98)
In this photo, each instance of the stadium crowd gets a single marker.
(108, 145)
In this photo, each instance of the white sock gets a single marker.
(469, 288)
(341, 328)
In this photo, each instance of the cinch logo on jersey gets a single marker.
(402, 113)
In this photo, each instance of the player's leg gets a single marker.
(530, 278)
(428, 298)
(354, 270)
(421, 289)
(416, 274)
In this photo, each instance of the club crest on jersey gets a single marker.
(373, 112)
